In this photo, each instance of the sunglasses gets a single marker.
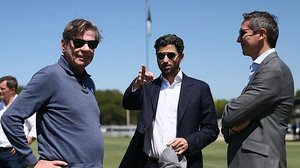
(161, 55)
(242, 32)
(78, 43)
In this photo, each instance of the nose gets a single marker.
(238, 39)
(85, 47)
(165, 59)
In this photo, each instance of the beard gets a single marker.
(169, 71)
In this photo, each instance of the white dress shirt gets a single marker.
(29, 128)
(163, 128)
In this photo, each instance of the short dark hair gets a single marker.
(78, 27)
(11, 82)
(258, 20)
(169, 39)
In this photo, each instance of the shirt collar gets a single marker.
(67, 67)
(260, 58)
(4, 106)
(177, 79)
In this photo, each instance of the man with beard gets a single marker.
(175, 110)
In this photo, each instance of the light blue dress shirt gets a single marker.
(258, 61)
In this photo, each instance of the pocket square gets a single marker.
(169, 159)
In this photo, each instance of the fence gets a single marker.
(118, 130)
(128, 131)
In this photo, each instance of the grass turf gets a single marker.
(214, 155)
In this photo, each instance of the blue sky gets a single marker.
(31, 33)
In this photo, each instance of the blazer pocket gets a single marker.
(256, 147)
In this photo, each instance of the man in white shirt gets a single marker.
(176, 111)
(8, 154)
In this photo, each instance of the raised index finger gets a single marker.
(143, 70)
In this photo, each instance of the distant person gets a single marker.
(62, 95)
(255, 123)
(8, 156)
(176, 111)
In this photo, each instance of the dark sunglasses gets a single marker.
(79, 43)
(161, 55)
(242, 32)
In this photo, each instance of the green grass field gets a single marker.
(214, 155)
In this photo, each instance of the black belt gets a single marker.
(2, 149)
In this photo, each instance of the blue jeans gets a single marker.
(8, 160)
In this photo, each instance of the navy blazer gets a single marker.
(196, 119)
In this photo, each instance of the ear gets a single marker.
(181, 56)
(63, 45)
(263, 33)
(13, 90)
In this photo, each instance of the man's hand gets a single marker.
(50, 164)
(180, 145)
(237, 129)
(30, 140)
(13, 151)
(144, 77)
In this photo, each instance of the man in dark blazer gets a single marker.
(255, 123)
(175, 110)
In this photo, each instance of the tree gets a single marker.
(296, 108)
(219, 105)
(112, 112)
(19, 89)
(110, 104)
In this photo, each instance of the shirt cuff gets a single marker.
(30, 160)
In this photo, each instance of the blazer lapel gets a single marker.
(264, 62)
(184, 97)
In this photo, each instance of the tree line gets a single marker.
(112, 112)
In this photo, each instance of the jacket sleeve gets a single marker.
(261, 94)
(132, 100)
(208, 128)
(225, 132)
(32, 97)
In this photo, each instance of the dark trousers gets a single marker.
(8, 160)
(150, 162)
